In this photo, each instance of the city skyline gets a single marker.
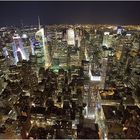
(70, 82)
(92, 12)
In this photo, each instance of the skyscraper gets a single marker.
(40, 37)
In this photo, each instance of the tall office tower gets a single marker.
(21, 49)
(107, 39)
(33, 63)
(26, 45)
(17, 45)
(1, 82)
(31, 50)
(71, 37)
(119, 30)
(3, 64)
(39, 52)
(40, 37)
(3, 72)
(14, 52)
(74, 57)
(77, 41)
(59, 57)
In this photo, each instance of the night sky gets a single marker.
(11, 13)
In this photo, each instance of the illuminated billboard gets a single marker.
(16, 36)
(36, 44)
(95, 78)
(106, 33)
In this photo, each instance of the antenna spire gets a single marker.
(39, 26)
(21, 21)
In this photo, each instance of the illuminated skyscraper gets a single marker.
(119, 30)
(70, 37)
(39, 52)
(107, 39)
(32, 47)
(40, 37)
(17, 45)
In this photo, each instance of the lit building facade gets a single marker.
(70, 37)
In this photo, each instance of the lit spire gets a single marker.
(39, 26)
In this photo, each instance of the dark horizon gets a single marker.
(92, 12)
